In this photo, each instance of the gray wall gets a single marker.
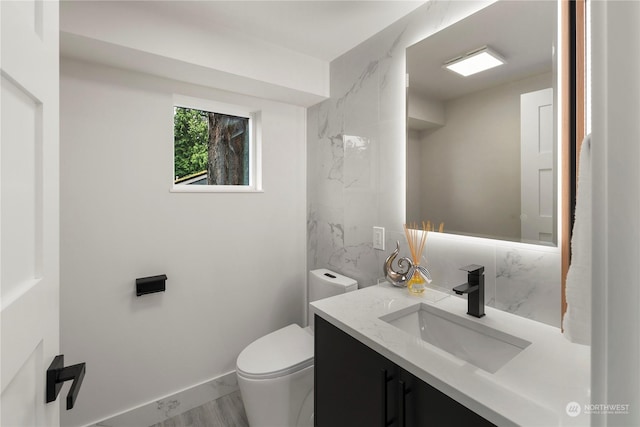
(470, 168)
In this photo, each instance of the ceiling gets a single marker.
(321, 29)
(522, 32)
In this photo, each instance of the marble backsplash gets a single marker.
(356, 179)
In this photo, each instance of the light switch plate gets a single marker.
(378, 238)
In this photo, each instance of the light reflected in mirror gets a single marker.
(482, 150)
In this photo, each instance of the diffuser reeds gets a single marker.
(417, 238)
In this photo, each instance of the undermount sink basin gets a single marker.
(473, 342)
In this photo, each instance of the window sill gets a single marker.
(215, 189)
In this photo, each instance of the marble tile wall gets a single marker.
(356, 179)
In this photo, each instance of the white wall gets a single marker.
(616, 210)
(235, 262)
(424, 113)
(132, 36)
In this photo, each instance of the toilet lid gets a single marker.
(280, 353)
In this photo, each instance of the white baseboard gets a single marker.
(175, 404)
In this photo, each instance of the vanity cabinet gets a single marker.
(356, 386)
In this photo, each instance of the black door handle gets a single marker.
(57, 374)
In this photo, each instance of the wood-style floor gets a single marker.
(227, 411)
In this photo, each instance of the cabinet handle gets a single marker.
(384, 379)
(402, 409)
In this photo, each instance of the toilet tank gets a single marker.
(325, 283)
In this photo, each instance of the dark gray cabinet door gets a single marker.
(353, 384)
(420, 404)
(356, 386)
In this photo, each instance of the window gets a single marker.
(214, 147)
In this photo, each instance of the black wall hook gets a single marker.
(57, 374)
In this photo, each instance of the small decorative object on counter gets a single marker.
(409, 269)
(397, 278)
(418, 275)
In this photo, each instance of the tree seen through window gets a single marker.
(210, 148)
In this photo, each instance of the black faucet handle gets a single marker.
(473, 269)
(465, 288)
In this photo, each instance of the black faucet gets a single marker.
(474, 288)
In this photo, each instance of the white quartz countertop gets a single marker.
(532, 389)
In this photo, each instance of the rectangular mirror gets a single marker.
(482, 149)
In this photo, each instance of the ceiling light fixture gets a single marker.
(475, 61)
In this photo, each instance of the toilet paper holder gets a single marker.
(151, 284)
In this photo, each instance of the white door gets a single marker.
(538, 180)
(29, 211)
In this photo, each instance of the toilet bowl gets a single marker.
(275, 372)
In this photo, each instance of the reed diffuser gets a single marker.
(417, 238)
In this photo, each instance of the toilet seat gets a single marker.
(277, 354)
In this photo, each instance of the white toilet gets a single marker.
(275, 372)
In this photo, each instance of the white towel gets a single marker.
(577, 319)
